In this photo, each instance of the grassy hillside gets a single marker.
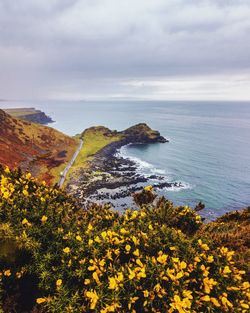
(56, 257)
(95, 138)
(40, 149)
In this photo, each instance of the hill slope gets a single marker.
(57, 257)
(40, 149)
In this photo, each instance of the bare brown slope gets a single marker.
(39, 149)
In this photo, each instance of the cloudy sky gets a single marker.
(125, 49)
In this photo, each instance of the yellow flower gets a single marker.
(204, 246)
(28, 176)
(131, 274)
(127, 248)
(210, 259)
(112, 283)
(7, 170)
(245, 285)
(25, 221)
(162, 258)
(58, 283)
(215, 302)
(226, 302)
(18, 275)
(115, 282)
(40, 300)
(87, 281)
(138, 262)
(183, 265)
(205, 298)
(44, 219)
(97, 239)
(136, 241)
(7, 273)
(208, 284)
(123, 231)
(119, 277)
(145, 293)
(148, 188)
(92, 295)
(25, 192)
(226, 270)
(136, 252)
(180, 305)
(66, 250)
(79, 238)
(104, 235)
(96, 277)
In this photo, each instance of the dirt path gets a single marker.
(71, 162)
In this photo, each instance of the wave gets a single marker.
(184, 186)
(147, 170)
(143, 167)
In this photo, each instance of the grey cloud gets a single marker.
(54, 45)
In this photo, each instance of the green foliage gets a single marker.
(95, 138)
(95, 260)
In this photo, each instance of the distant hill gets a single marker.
(39, 149)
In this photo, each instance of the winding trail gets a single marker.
(71, 162)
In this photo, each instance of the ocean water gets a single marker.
(208, 152)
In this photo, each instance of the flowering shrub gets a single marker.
(95, 260)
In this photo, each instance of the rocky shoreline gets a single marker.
(112, 178)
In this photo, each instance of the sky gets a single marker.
(125, 49)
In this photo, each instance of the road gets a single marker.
(71, 162)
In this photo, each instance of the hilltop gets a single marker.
(37, 148)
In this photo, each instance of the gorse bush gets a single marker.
(95, 260)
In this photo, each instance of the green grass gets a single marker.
(94, 140)
(21, 111)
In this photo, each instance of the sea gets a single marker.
(208, 151)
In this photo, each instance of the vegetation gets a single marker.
(19, 112)
(95, 138)
(42, 150)
(55, 257)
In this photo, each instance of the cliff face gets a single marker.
(30, 114)
(39, 117)
(34, 147)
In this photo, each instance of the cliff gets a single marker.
(30, 114)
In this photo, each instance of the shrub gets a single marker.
(95, 260)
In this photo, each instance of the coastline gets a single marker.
(110, 177)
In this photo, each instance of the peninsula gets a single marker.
(30, 114)
(99, 173)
